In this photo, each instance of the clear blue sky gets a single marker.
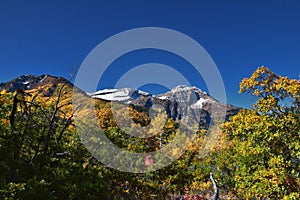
(50, 37)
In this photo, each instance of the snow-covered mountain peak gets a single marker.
(122, 94)
(181, 88)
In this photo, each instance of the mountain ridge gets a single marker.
(29, 82)
(193, 97)
(180, 101)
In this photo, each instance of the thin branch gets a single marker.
(216, 191)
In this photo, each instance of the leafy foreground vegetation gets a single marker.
(256, 154)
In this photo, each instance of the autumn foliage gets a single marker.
(254, 155)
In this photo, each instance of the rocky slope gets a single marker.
(29, 82)
(178, 102)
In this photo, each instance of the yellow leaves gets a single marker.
(266, 137)
(140, 118)
(291, 86)
(4, 121)
(262, 78)
(157, 124)
(267, 104)
(170, 126)
(277, 161)
(266, 84)
(200, 186)
(243, 85)
(256, 92)
(228, 126)
(2, 92)
(84, 165)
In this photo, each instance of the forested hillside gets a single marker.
(254, 155)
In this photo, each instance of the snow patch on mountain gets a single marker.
(143, 93)
(44, 77)
(113, 94)
(199, 104)
(123, 94)
(162, 97)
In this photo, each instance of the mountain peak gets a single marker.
(180, 101)
(181, 88)
(28, 82)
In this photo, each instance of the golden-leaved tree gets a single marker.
(263, 160)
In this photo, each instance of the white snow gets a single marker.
(143, 93)
(199, 104)
(25, 83)
(122, 94)
(180, 88)
(104, 91)
(162, 97)
(42, 79)
(113, 94)
(128, 94)
(203, 92)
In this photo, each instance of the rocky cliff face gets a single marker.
(181, 101)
